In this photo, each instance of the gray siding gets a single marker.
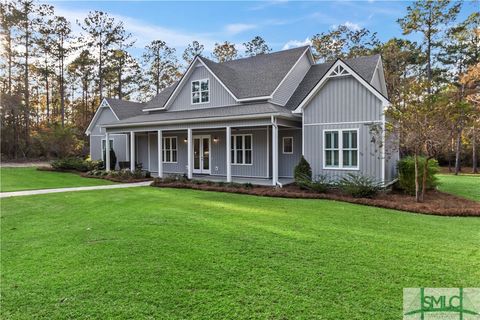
(291, 83)
(141, 150)
(343, 100)
(218, 95)
(287, 162)
(347, 104)
(119, 146)
(119, 140)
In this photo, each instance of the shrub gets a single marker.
(302, 171)
(320, 184)
(406, 174)
(359, 186)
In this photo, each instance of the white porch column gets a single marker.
(190, 153)
(107, 152)
(228, 141)
(132, 151)
(160, 153)
(274, 152)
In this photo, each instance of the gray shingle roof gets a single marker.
(210, 113)
(255, 76)
(364, 66)
(125, 109)
(160, 99)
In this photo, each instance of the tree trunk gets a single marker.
(62, 89)
(424, 179)
(47, 94)
(458, 148)
(417, 185)
(474, 151)
(27, 91)
(100, 76)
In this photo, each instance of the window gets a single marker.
(200, 91)
(287, 145)
(241, 149)
(104, 141)
(341, 149)
(170, 149)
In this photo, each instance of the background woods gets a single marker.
(52, 80)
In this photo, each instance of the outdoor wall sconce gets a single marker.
(215, 139)
(185, 140)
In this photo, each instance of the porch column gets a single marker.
(228, 141)
(189, 153)
(160, 153)
(107, 152)
(274, 153)
(132, 151)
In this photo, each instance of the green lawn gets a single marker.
(16, 179)
(467, 186)
(177, 254)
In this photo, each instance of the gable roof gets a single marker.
(160, 99)
(256, 76)
(125, 109)
(363, 66)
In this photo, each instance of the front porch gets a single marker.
(248, 152)
(255, 181)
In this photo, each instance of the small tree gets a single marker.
(302, 170)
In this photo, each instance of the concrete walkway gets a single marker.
(45, 191)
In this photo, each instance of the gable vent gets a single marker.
(339, 71)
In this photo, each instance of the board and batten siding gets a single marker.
(119, 140)
(287, 162)
(286, 89)
(343, 103)
(218, 96)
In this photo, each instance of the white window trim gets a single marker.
(101, 145)
(283, 145)
(164, 149)
(340, 150)
(234, 148)
(200, 91)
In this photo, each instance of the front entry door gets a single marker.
(201, 154)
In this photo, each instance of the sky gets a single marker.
(283, 24)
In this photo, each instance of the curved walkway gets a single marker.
(45, 191)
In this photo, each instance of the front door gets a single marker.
(201, 154)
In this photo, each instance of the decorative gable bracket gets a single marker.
(339, 71)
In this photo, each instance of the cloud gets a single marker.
(266, 4)
(236, 28)
(143, 32)
(296, 43)
(351, 25)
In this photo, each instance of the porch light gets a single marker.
(185, 140)
(215, 139)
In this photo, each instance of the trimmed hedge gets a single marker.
(406, 174)
(76, 164)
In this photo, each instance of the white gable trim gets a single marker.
(327, 75)
(290, 71)
(185, 76)
(104, 104)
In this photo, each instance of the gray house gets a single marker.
(253, 118)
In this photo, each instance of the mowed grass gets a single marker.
(16, 179)
(182, 254)
(467, 186)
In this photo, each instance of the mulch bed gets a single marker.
(436, 202)
(86, 175)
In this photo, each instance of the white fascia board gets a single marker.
(104, 104)
(367, 85)
(290, 71)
